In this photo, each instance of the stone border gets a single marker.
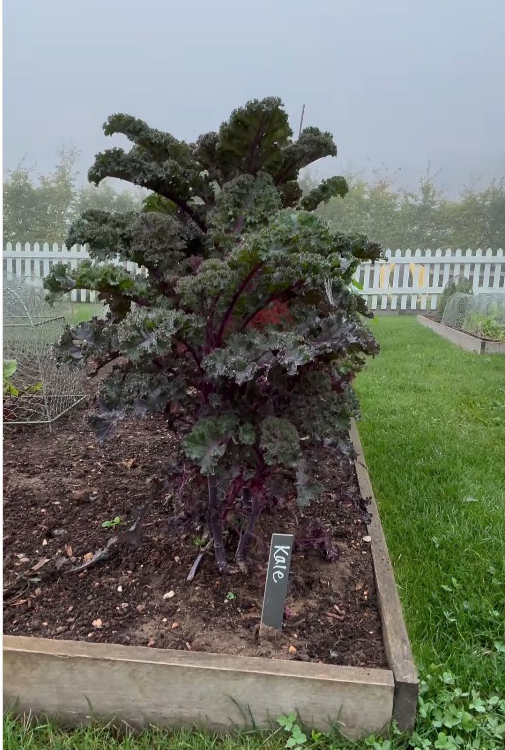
(464, 340)
(74, 681)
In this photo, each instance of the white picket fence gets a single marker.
(408, 280)
(414, 280)
(33, 263)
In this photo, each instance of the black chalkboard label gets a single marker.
(276, 585)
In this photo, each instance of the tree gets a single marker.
(422, 218)
(21, 206)
(246, 332)
(42, 211)
(421, 212)
(105, 198)
(373, 208)
(57, 195)
(478, 218)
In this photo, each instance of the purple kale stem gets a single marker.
(253, 517)
(216, 525)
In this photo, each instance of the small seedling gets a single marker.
(111, 524)
(297, 738)
(231, 596)
(199, 542)
(378, 743)
(10, 367)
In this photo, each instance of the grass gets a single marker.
(47, 735)
(433, 431)
(41, 735)
(82, 311)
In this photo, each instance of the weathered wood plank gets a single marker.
(464, 340)
(394, 631)
(166, 687)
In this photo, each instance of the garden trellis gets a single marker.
(36, 389)
(407, 280)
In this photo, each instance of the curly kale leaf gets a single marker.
(244, 203)
(152, 332)
(208, 440)
(280, 442)
(93, 338)
(334, 186)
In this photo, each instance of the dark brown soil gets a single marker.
(60, 487)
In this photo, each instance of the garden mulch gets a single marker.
(60, 487)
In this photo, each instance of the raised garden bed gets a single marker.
(113, 641)
(464, 340)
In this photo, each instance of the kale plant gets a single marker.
(241, 324)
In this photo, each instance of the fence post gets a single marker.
(499, 269)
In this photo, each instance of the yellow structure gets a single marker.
(388, 268)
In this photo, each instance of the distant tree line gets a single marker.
(423, 218)
(41, 208)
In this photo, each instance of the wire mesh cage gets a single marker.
(485, 316)
(455, 310)
(458, 284)
(36, 389)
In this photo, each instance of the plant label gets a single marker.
(276, 585)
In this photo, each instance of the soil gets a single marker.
(60, 486)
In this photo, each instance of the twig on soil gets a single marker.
(100, 555)
(20, 582)
(18, 595)
(13, 586)
(199, 558)
(132, 536)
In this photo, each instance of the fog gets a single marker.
(398, 82)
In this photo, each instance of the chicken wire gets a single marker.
(458, 284)
(455, 310)
(485, 316)
(39, 390)
(482, 315)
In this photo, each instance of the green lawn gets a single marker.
(85, 310)
(433, 431)
(50, 737)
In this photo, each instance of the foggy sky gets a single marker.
(398, 82)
